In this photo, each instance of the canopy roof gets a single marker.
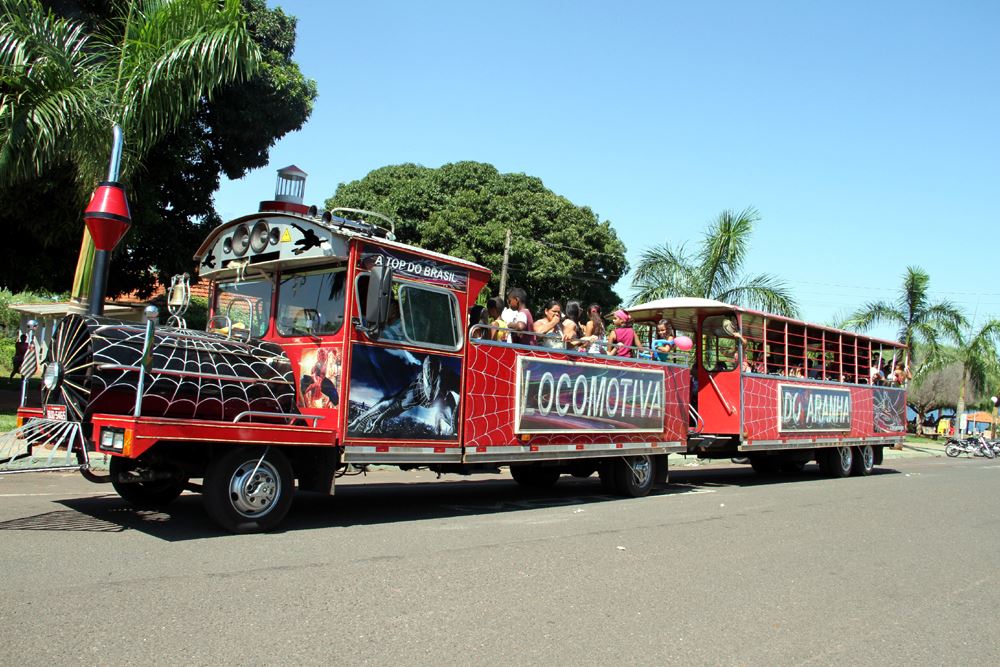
(683, 312)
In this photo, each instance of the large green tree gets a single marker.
(558, 249)
(714, 271)
(915, 318)
(171, 171)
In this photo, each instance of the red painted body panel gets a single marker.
(147, 432)
(761, 410)
(719, 403)
(489, 399)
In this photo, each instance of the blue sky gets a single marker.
(866, 134)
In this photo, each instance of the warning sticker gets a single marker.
(286, 236)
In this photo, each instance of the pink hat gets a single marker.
(622, 315)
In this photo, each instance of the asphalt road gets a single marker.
(718, 568)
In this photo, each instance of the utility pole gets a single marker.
(503, 269)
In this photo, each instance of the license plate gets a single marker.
(55, 412)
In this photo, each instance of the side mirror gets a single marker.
(379, 296)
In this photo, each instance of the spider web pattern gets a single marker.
(760, 409)
(491, 395)
(193, 375)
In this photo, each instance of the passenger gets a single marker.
(622, 338)
(20, 350)
(549, 327)
(516, 317)
(593, 330)
(477, 315)
(494, 308)
(875, 374)
(572, 332)
(663, 344)
(901, 374)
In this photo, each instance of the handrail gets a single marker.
(725, 403)
(276, 415)
(678, 357)
(699, 421)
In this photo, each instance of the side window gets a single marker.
(719, 350)
(424, 316)
(243, 305)
(311, 303)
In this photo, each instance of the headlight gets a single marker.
(112, 439)
(52, 375)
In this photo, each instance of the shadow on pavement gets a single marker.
(378, 503)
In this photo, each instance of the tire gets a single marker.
(155, 494)
(764, 465)
(634, 475)
(535, 477)
(864, 461)
(840, 461)
(989, 453)
(792, 467)
(249, 489)
(952, 450)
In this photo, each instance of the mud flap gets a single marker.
(43, 444)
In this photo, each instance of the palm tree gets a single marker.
(916, 319)
(977, 353)
(64, 87)
(714, 271)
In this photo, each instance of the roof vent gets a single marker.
(291, 185)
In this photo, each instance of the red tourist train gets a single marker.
(331, 346)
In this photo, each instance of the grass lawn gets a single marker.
(7, 422)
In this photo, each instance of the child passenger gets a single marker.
(622, 339)
(593, 331)
(664, 342)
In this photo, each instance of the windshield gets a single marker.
(311, 303)
(247, 304)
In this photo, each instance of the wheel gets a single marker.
(249, 489)
(537, 477)
(764, 465)
(863, 460)
(952, 450)
(988, 452)
(792, 467)
(634, 475)
(839, 461)
(167, 485)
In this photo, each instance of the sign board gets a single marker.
(808, 408)
(560, 396)
(414, 267)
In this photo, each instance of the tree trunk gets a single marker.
(960, 408)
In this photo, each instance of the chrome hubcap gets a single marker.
(846, 458)
(254, 488)
(868, 457)
(641, 469)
